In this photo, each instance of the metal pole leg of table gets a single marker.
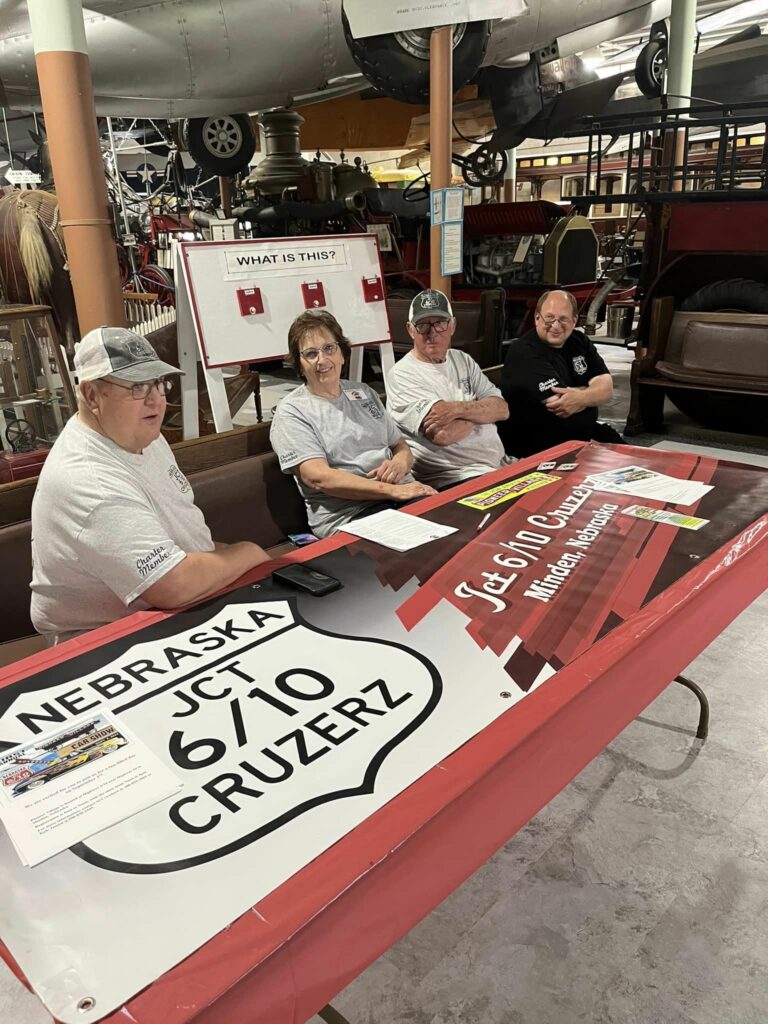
(703, 727)
(331, 1015)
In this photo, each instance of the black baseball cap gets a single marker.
(430, 302)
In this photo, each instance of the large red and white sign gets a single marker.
(285, 733)
(290, 720)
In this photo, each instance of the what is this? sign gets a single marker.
(287, 258)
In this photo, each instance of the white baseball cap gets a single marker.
(118, 352)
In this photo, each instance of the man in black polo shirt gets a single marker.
(553, 382)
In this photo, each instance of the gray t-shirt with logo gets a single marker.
(353, 432)
(414, 386)
(106, 524)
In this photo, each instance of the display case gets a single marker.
(36, 390)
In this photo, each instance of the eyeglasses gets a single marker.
(313, 354)
(141, 391)
(438, 326)
(550, 321)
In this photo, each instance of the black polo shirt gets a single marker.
(531, 369)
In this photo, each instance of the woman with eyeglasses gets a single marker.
(336, 438)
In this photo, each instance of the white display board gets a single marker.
(245, 294)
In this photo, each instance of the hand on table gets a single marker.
(407, 492)
(392, 471)
(566, 402)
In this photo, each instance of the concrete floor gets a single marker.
(639, 895)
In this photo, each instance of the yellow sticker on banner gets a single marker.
(508, 490)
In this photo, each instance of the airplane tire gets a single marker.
(746, 414)
(649, 68)
(404, 76)
(222, 145)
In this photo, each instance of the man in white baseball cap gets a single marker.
(114, 525)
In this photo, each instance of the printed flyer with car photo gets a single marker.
(67, 785)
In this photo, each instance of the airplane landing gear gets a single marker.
(650, 67)
(222, 145)
(651, 64)
(397, 64)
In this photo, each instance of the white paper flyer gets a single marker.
(69, 784)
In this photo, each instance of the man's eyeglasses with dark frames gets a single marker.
(141, 391)
(550, 321)
(313, 354)
(438, 326)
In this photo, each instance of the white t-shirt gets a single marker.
(414, 386)
(106, 524)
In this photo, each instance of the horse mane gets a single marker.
(34, 211)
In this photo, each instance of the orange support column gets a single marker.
(64, 75)
(440, 136)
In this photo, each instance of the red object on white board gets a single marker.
(314, 294)
(373, 290)
(250, 301)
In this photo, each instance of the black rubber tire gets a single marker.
(402, 76)
(746, 414)
(733, 295)
(647, 62)
(194, 131)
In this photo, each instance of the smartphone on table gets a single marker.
(304, 576)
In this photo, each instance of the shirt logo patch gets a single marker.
(465, 385)
(376, 411)
(580, 364)
(545, 385)
(179, 479)
(355, 395)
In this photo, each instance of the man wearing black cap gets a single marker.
(442, 401)
(114, 525)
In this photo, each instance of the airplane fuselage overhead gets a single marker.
(196, 58)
